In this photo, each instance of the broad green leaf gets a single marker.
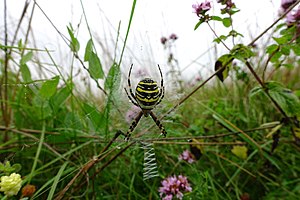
(227, 22)
(224, 62)
(74, 43)
(296, 49)
(287, 100)
(72, 120)
(88, 50)
(240, 151)
(285, 50)
(25, 58)
(95, 67)
(281, 40)
(241, 52)
(25, 72)
(276, 56)
(93, 115)
(216, 18)
(273, 47)
(60, 97)
(113, 78)
(49, 87)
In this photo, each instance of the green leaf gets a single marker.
(234, 33)
(273, 47)
(241, 52)
(220, 38)
(17, 167)
(198, 24)
(25, 58)
(60, 97)
(288, 66)
(240, 151)
(296, 49)
(276, 56)
(226, 22)
(95, 67)
(88, 50)
(113, 78)
(281, 40)
(286, 99)
(224, 62)
(74, 43)
(25, 72)
(285, 50)
(49, 87)
(216, 18)
(256, 91)
(93, 115)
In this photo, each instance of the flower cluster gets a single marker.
(228, 5)
(132, 113)
(293, 17)
(173, 186)
(11, 185)
(172, 38)
(202, 8)
(187, 156)
(285, 4)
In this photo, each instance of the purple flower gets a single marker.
(163, 40)
(285, 4)
(132, 113)
(173, 186)
(202, 8)
(187, 156)
(173, 36)
(293, 17)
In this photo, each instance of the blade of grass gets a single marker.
(128, 28)
(38, 151)
(56, 179)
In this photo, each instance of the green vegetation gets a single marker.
(242, 130)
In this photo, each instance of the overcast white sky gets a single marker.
(152, 20)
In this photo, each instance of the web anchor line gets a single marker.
(150, 165)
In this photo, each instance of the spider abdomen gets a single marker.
(147, 93)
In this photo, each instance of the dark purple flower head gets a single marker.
(202, 8)
(187, 156)
(173, 36)
(163, 40)
(173, 186)
(285, 4)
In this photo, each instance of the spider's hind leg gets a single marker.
(133, 125)
(157, 122)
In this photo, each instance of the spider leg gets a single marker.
(162, 94)
(132, 99)
(133, 125)
(129, 83)
(157, 122)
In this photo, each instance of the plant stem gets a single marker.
(265, 89)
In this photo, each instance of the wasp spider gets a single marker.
(147, 96)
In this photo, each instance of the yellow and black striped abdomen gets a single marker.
(147, 93)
